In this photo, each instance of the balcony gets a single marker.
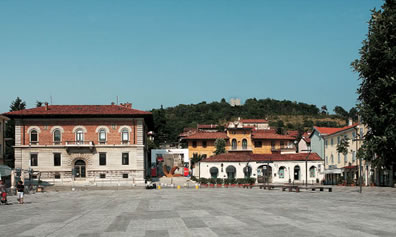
(79, 146)
(239, 148)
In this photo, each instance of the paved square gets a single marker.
(204, 212)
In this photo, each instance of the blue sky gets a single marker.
(180, 52)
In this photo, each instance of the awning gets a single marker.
(333, 171)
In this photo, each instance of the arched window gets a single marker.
(231, 172)
(125, 136)
(33, 137)
(57, 136)
(244, 144)
(332, 158)
(282, 172)
(234, 144)
(214, 172)
(247, 170)
(79, 135)
(312, 171)
(102, 136)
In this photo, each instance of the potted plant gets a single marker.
(241, 182)
(233, 182)
(212, 182)
(226, 183)
(219, 182)
(203, 182)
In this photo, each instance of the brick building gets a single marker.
(82, 142)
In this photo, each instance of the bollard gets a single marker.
(178, 186)
(196, 186)
(159, 186)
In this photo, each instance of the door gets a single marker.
(264, 174)
(80, 170)
(297, 172)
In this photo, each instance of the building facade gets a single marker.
(3, 120)
(252, 135)
(295, 168)
(87, 143)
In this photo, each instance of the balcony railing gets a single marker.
(79, 143)
(239, 148)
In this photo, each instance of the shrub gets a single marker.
(241, 181)
(219, 181)
(203, 181)
(193, 178)
(227, 181)
(251, 180)
(212, 180)
(233, 181)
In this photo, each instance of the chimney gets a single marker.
(112, 103)
(46, 106)
(350, 122)
(128, 105)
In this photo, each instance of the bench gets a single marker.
(283, 187)
(321, 188)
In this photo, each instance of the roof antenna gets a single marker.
(117, 100)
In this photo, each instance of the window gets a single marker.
(282, 144)
(332, 141)
(258, 144)
(361, 133)
(281, 172)
(231, 172)
(234, 144)
(79, 136)
(326, 145)
(353, 156)
(345, 158)
(102, 136)
(244, 144)
(273, 145)
(338, 140)
(247, 171)
(57, 136)
(124, 176)
(327, 160)
(312, 171)
(204, 144)
(125, 158)
(214, 172)
(33, 137)
(339, 158)
(125, 136)
(102, 176)
(102, 158)
(33, 159)
(353, 135)
(57, 159)
(57, 176)
(332, 159)
(194, 144)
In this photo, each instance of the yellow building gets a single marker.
(339, 165)
(253, 135)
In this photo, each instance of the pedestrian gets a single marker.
(20, 189)
(3, 193)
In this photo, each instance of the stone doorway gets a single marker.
(79, 169)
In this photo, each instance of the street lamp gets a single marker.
(306, 167)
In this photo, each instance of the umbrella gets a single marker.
(5, 170)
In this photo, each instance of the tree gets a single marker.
(220, 145)
(353, 114)
(194, 160)
(280, 127)
(39, 103)
(343, 146)
(377, 92)
(323, 110)
(16, 105)
(338, 110)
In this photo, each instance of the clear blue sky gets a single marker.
(180, 52)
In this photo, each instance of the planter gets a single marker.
(233, 185)
(204, 185)
(240, 185)
(226, 185)
(219, 185)
(211, 185)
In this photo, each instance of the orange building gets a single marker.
(249, 135)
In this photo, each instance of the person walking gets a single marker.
(3, 193)
(20, 189)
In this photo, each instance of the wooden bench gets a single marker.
(283, 187)
(321, 188)
(291, 187)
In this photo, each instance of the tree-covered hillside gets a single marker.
(170, 122)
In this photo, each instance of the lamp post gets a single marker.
(306, 167)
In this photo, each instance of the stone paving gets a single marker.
(204, 212)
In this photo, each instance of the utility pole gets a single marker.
(356, 140)
(306, 167)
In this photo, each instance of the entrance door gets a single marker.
(79, 168)
(297, 172)
(264, 174)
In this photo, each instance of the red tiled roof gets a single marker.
(272, 136)
(207, 135)
(328, 131)
(254, 121)
(245, 157)
(206, 126)
(78, 110)
(350, 167)
(188, 132)
(306, 138)
(293, 133)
